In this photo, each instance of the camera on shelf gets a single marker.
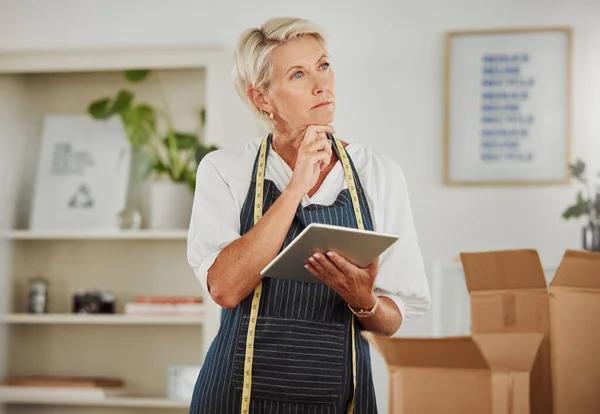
(93, 301)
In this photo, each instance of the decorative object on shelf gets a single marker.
(38, 296)
(508, 115)
(130, 218)
(586, 206)
(94, 301)
(81, 178)
(161, 151)
(181, 380)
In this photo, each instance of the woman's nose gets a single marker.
(321, 85)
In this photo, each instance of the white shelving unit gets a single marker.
(138, 349)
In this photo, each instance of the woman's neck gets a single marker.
(287, 142)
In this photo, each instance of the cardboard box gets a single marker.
(482, 374)
(508, 294)
(575, 338)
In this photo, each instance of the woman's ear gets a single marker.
(259, 100)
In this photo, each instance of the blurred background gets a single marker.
(74, 70)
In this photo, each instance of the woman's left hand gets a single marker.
(353, 283)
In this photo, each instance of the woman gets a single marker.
(285, 346)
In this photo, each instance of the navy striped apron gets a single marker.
(302, 355)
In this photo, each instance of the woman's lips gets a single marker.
(321, 104)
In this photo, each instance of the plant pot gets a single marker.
(170, 205)
(591, 238)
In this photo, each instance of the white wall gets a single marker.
(388, 57)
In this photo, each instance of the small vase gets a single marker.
(131, 217)
(591, 238)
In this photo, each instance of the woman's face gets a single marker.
(302, 90)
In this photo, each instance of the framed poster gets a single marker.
(82, 174)
(507, 107)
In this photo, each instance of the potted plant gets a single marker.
(160, 152)
(587, 205)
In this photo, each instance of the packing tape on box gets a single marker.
(511, 394)
(509, 309)
(503, 392)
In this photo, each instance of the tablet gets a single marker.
(359, 247)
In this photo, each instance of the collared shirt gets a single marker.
(223, 180)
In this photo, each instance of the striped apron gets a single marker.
(302, 345)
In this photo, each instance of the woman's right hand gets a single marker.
(314, 155)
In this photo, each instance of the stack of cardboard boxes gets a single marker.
(531, 351)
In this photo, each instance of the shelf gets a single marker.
(108, 402)
(88, 319)
(96, 235)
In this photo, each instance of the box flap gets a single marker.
(578, 269)
(454, 352)
(509, 351)
(505, 269)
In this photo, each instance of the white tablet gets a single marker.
(359, 247)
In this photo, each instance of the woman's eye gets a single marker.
(297, 75)
(325, 66)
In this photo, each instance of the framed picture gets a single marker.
(507, 107)
(82, 174)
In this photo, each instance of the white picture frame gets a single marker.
(82, 174)
(508, 107)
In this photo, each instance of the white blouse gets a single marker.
(223, 181)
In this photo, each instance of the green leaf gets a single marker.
(160, 167)
(100, 109)
(203, 151)
(183, 141)
(137, 75)
(578, 209)
(578, 170)
(173, 156)
(122, 101)
(143, 163)
(190, 179)
(105, 108)
(140, 124)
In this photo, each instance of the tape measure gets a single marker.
(361, 226)
(249, 357)
(258, 212)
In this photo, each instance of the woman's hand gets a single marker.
(353, 283)
(314, 155)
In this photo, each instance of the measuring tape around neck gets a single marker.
(258, 212)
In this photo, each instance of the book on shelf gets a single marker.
(48, 387)
(163, 309)
(62, 393)
(171, 300)
(165, 306)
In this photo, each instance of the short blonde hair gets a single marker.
(252, 64)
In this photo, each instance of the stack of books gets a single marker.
(165, 306)
(56, 387)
